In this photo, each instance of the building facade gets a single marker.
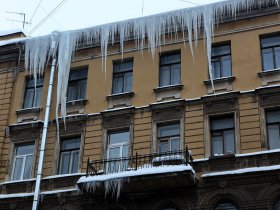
(150, 132)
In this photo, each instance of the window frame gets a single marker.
(170, 137)
(217, 45)
(212, 118)
(229, 204)
(122, 74)
(77, 84)
(35, 88)
(24, 157)
(266, 36)
(267, 124)
(161, 56)
(70, 164)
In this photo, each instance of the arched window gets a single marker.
(225, 206)
(277, 205)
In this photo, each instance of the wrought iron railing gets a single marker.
(117, 165)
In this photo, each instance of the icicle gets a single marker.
(191, 21)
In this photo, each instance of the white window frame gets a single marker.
(24, 157)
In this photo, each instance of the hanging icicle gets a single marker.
(191, 21)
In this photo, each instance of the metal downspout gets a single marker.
(44, 137)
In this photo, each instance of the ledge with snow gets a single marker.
(166, 176)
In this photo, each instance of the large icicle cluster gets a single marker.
(192, 22)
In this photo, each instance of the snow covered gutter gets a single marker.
(145, 31)
(243, 171)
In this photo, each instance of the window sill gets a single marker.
(120, 100)
(270, 77)
(222, 156)
(168, 92)
(76, 106)
(28, 114)
(223, 84)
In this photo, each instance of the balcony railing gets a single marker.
(118, 165)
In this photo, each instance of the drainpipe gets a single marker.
(44, 135)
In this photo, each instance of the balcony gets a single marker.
(140, 173)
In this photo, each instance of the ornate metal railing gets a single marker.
(117, 165)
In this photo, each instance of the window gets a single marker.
(270, 47)
(273, 128)
(33, 93)
(23, 161)
(226, 206)
(122, 76)
(221, 61)
(222, 135)
(277, 205)
(170, 67)
(118, 147)
(69, 155)
(169, 137)
(77, 85)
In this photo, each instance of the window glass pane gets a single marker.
(64, 162)
(28, 167)
(273, 116)
(273, 136)
(216, 71)
(125, 150)
(175, 143)
(164, 79)
(226, 66)
(72, 92)
(17, 168)
(25, 149)
(163, 146)
(116, 138)
(75, 161)
(82, 91)
(223, 123)
(277, 57)
(37, 102)
(117, 85)
(221, 50)
(28, 98)
(175, 74)
(229, 141)
(217, 145)
(170, 58)
(126, 66)
(78, 74)
(169, 130)
(127, 82)
(225, 206)
(114, 152)
(270, 41)
(68, 144)
(267, 56)
(277, 205)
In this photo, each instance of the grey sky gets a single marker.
(74, 14)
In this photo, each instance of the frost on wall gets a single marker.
(192, 22)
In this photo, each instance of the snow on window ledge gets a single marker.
(168, 158)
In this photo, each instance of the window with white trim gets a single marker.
(270, 48)
(69, 155)
(23, 161)
(118, 147)
(168, 137)
(273, 128)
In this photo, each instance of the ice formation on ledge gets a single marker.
(113, 183)
(192, 22)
